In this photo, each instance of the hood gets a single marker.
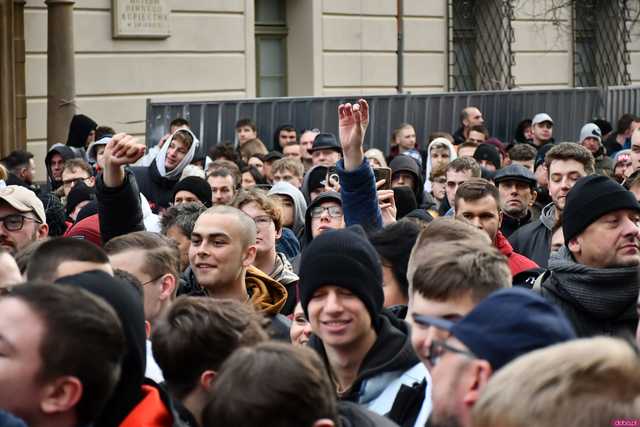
(267, 295)
(392, 352)
(66, 153)
(305, 184)
(408, 164)
(299, 203)
(283, 272)
(452, 156)
(548, 216)
(503, 245)
(162, 154)
(324, 197)
(128, 305)
(79, 129)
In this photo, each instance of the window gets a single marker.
(600, 37)
(480, 41)
(271, 48)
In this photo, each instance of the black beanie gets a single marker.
(196, 185)
(343, 258)
(489, 153)
(589, 199)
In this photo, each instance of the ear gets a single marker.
(147, 329)
(279, 233)
(534, 196)
(574, 245)
(168, 286)
(324, 422)
(43, 231)
(500, 216)
(249, 256)
(481, 372)
(206, 379)
(61, 395)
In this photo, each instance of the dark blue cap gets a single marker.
(507, 324)
(326, 141)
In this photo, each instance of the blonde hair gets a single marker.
(586, 382)
(4, 174)
(374, 153)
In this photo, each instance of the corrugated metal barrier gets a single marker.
(214, 121)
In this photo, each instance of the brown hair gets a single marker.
(251, 148)
(183, 136)
(578, 383)
(570, 151)
(162, 255)
(438, 171)
(522, 152)
(476, 189)
(435, 135)
(259, 197)
(448, 270)
(72, 164)
(271, 385)
(287, 164)
(83, 338)
(480, 128)
(198, 334)
(397, 130)
(465, 164)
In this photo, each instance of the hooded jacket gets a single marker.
(283, 274)
(534, 239)
(390, 374)
(66, 153)
(328, 196)
(79, 129)
(597, 301)
(359, 196)
(517, 262)
(155, 182)
(452, 156)
(299, 203)
(407, 164)
(306, 192)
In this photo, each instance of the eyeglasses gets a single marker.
(334, 211)
(262, 220)
(73, 181)
(152, 280)
(437, 349)
(16, 222)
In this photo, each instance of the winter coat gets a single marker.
(597, 301)
(119, 208)
(288, 244)
(283, 274)
(390, 376)
(517, 262)
(155, 409)
(534, 239)
(360, 197)
(511, 224)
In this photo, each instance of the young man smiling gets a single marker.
(367, 351)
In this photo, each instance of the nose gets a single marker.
(476, 222)
(332, 304)
(306, 331)
(325, 214)
(631, 228)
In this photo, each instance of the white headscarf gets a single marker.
(452, 156)
(162, 155)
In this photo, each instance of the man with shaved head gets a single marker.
(223, 247)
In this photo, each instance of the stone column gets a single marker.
(61, 88)
(20, 70)
(7, 79)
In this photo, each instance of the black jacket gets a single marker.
(511, 224)
(534, 239)
(156, 189)
(392, 352)
(119, 208)
(597, 301)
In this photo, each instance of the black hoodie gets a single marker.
(128, 305)
(66, 153)
(79, 129)
(392, 352)
(402, 163)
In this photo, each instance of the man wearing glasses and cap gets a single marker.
(22, 218)
(505, 325)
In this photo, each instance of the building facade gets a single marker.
(231, 49)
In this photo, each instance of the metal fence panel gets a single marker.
(214, 121)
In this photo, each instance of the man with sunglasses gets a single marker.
(505, 325)
(22, 218)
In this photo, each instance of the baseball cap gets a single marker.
(515, 172)
(507, 324)
(541, 117)
(272, 155)
(23, 200)
(325, 141)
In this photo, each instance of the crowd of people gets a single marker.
(462, 282)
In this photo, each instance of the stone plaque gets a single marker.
(140, 19)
